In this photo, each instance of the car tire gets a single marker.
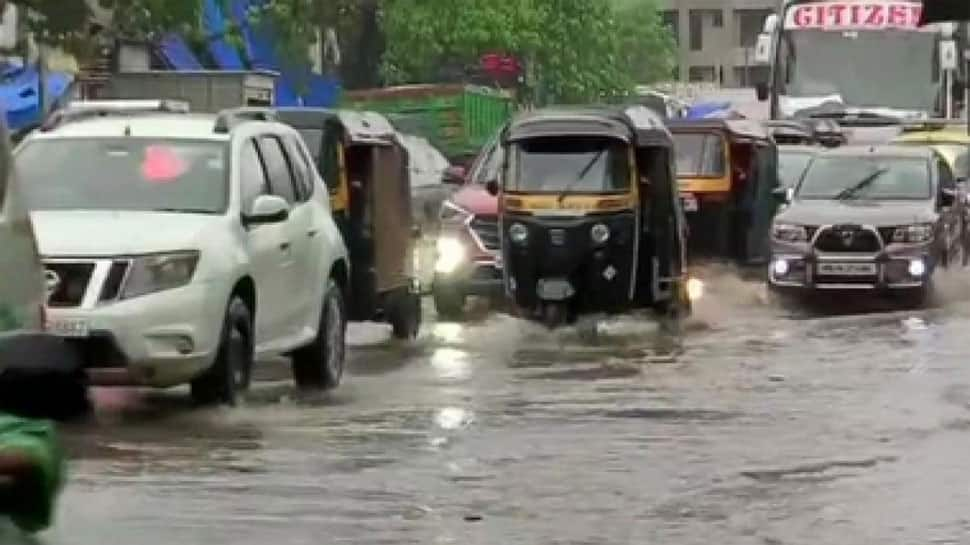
(449, 303)
(554, 314)
(320, 365)
(404, 314)
(231, 372)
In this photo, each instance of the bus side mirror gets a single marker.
(763, 49)
(492, 187)
(761, 90)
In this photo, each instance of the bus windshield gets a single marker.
(857, 54)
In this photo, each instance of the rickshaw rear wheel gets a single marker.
(449, 303)
(554, 314)
(404, 314)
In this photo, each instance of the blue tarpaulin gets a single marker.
(703, 110)
(320, 91)
(177, 53)
(19, 98)
(223, 53)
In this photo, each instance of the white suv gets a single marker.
(180, 248)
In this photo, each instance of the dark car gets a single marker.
(877, 219)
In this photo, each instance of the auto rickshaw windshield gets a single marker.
(700, 154)
(569, 164)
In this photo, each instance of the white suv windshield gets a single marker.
(129, 174)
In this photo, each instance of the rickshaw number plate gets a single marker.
(847, 269)
(68, 328)
(689, 202)
(554, 289)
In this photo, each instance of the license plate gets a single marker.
(689, 202)
(555, 290)
(847, 269)
(73, 328)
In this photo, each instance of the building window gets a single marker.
(717, 18)
(671, 20)
(748, 76)
(701, 74)
(750, 24)
(696, 17)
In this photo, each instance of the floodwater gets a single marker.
(754, 425)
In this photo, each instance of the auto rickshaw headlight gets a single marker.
(518, 233)
(600, 233)
(787, 232)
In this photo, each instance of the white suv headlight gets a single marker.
(159, 272)
(789, 232)
(920, 232)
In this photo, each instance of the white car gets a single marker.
(181, 248)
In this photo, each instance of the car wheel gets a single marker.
(320, 365)
(449, 303)
(554, 314)
(404, 314)
(230, 374)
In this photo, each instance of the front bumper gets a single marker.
(480, 278)
(897, 267)
(162, 339)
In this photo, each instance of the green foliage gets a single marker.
(575, 50)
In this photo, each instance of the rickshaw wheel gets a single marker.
(554, 314)
(404, 314)
(448, 303)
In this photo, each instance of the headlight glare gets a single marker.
(159, 272)
(518, 233)
(600, 233)
(920, 232)
(787, 232)
(451, 254)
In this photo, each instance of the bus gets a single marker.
(867, 61)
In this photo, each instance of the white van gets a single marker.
(22, 291)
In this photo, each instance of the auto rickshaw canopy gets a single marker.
(636, 124)
(735, 129)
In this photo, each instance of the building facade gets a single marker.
(716, 39)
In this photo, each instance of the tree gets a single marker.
(575, 50)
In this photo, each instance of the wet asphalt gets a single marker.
(752, 425)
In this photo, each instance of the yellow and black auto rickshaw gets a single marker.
(728, 176)
(589, 214)
(364, 164)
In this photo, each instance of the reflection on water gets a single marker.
(453, 418)
(451, 364)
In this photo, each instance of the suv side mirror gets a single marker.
(454, 175)
(492, 187)
(761, 91)
(266, 209)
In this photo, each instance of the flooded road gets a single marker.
(754, 427)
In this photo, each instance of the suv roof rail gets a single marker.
(933, 124)
(229, 118)
(80, 110)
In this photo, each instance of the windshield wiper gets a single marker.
(582, 174)
(854, 190)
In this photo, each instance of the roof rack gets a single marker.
(230, 118)
(81, 110)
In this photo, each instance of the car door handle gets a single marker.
(312, 233)
(285, 246)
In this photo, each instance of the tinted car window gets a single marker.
(301, 168)
(277, 168)
(125, 174)
(887, 178)
(251, 174)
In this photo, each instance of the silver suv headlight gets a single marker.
(789, 232)
(159, 272)
(920, 232)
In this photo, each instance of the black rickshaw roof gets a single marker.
(362, 127)
(745, 128)
(631, 124)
